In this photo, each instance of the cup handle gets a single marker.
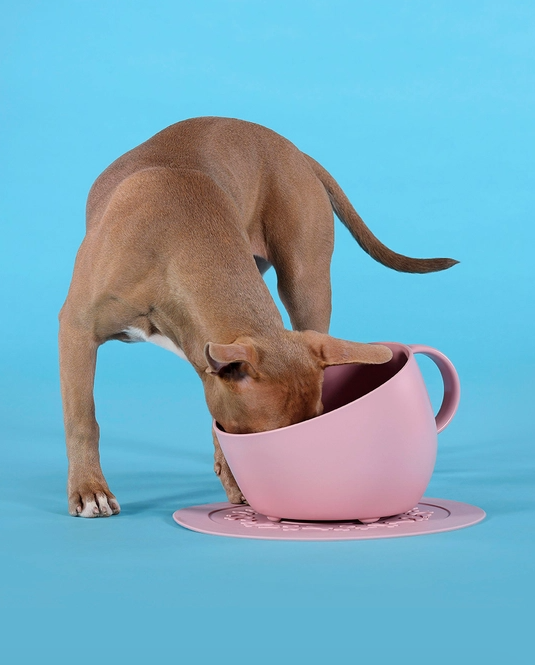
(452, 385)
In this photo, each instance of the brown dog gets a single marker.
(179, 231)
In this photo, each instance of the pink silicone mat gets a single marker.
(227, 519)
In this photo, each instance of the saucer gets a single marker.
(237, 521)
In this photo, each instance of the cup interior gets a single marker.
(343, 384)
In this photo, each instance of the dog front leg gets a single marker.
(222, 469)
(87, 489)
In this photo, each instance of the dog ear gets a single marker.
(222, 357)
(332, 351)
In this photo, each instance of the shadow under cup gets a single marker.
(370, 454)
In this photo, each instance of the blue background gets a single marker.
(423, 111)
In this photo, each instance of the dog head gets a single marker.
(260, 385)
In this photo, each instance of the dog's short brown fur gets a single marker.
(179, 231)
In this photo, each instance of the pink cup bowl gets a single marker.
(370, 454)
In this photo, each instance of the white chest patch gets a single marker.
(137, 335)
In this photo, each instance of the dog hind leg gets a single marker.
(303, 266)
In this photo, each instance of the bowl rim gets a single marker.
(410, 354)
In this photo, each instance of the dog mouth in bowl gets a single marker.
(344, 384)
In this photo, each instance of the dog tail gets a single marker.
(365, 238)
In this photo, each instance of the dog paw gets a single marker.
(237, 497)
(93, 504)
(233, 492)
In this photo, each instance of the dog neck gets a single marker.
(198, 308)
